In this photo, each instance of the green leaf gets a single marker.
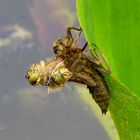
(114, 26)
(125, 110)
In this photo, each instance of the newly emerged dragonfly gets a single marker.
(71, 64)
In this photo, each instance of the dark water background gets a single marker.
(27, 31)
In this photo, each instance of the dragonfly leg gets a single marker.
(102, 57)
(69, 34)
(85, 46)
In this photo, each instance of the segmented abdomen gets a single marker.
(100, 92)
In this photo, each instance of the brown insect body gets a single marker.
(86, 70)
(71, 64)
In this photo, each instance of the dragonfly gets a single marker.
(71, 64)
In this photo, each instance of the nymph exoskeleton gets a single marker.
(71, 64)
(84, 67)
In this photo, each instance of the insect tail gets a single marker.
(99, 98)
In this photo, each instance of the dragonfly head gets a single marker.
(62, 45)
